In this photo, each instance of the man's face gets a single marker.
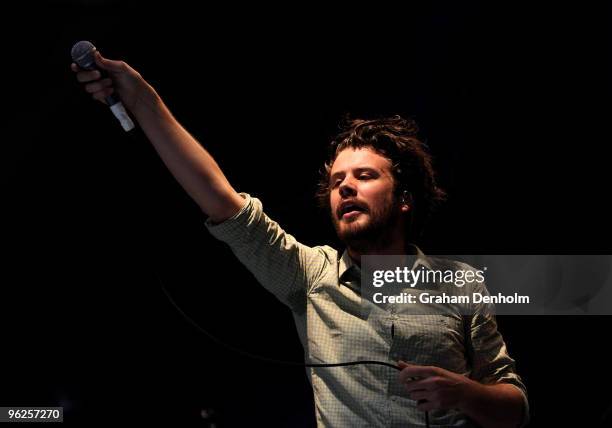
(363, 207)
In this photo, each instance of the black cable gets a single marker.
(259, 357)
(267, 359)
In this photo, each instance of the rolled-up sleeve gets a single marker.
(491, 362)
(285, 267)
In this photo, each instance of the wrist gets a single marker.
(147, 102)
(496, 405)
(473, 393)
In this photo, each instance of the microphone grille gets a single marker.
(83, 54)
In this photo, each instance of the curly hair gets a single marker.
(395, 138)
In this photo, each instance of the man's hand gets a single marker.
(123, 79)
(435, 388)
(499, 405)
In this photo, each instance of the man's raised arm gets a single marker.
(192, 166)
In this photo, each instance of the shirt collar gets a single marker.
(347, 268)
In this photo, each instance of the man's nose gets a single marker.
(347, 188)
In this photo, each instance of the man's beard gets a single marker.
(374, 233)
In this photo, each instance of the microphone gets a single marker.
(83, 55)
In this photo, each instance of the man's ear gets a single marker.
(406, 201)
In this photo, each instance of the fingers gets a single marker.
(428, 384)
(426, 400)
(101, 95)
(98, 85)
(413, 371)
(110, 65)
(402, 364)
(85, 76)
(88, 76)
(103, 63)
(427, 406)
(100, 89)
(432, 387)
(419, 395)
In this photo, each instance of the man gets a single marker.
(379, 186)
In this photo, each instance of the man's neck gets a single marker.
(390, 241)
(400, 247)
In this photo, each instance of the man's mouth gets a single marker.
(351, 210)
(349, 215)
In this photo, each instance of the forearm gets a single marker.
(192, 166)
(494, 406)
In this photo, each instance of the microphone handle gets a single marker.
(120, 113)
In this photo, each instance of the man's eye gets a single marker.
(365, 176)
(335, 184)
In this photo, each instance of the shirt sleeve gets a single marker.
(285, 267)
(489, 356)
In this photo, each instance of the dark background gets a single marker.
(513, 100)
